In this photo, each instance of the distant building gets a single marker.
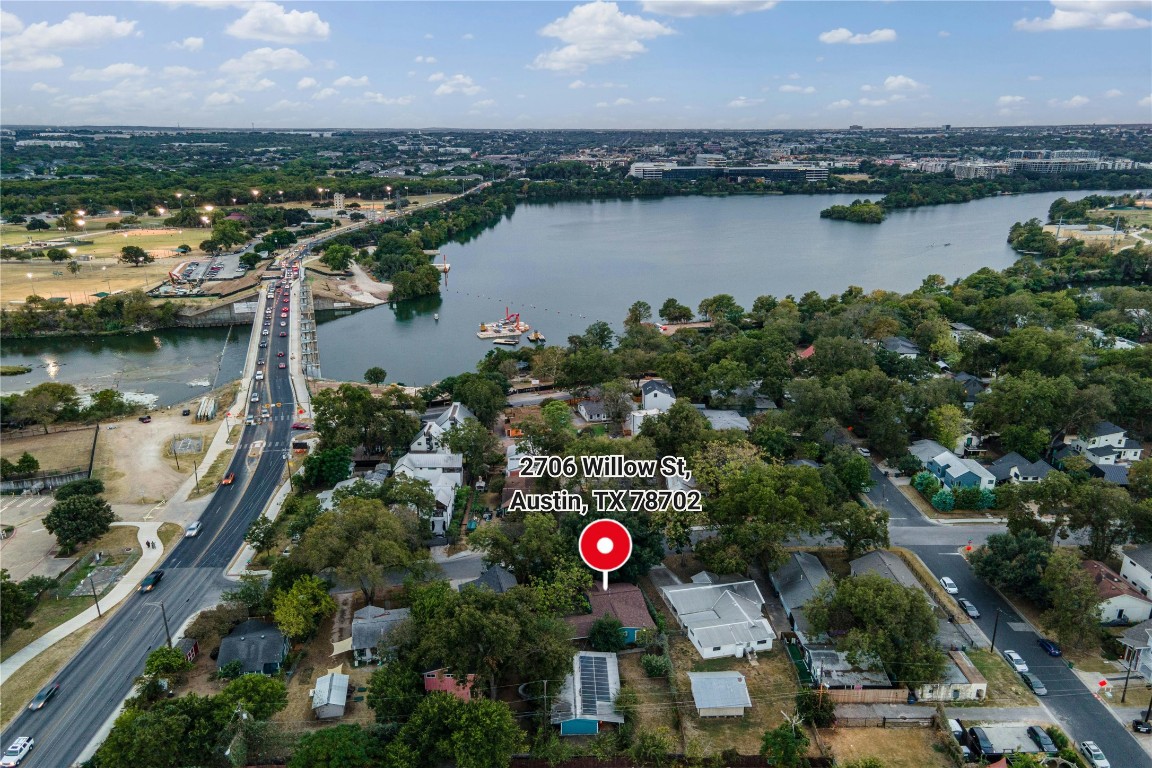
(961, 331)
(1014, 468)
(978, 169)
(1105, 443)
(779, 172)
(886, 564)
(724, 419)
(901, 346)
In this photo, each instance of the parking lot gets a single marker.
(219, 267)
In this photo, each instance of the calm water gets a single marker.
(565, 265)
(163, 367)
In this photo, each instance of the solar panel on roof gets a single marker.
(593, 684)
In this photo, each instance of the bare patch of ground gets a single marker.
(894, 747)
(55, 451)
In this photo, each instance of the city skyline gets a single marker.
(673, 64)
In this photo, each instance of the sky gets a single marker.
(747, 64)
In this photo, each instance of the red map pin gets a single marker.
(605, 545)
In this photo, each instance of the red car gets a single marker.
(282, 365)
(283, 333)
(279, 354)
(228, 478)
(298, 425)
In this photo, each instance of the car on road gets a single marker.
(193, 529)
(283, 324)
(151, 580)
(1015, 661)
(228, 479)
(864, 452)
(299, 425)
(1095, 757)
(949, 585)
(1141, 726)
(255, 397)
(264, 332)
(279, 354)
(1049, 647)
(263, 344)
(19, 750)
(44, 696)
(1034, 683)
(283, 334)
(283, 366)
(969, 608)
(1041, 738)
(145, 419)
(260, 362)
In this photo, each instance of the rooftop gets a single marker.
(590, 691)
(712, 690)
(1108, 582)
(622, 601)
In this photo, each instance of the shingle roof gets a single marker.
(1001, 469)
(1112, 473)
(1138, 636)
(888, 565)
(622, 601)
(900, 345)
(258, 645)
(1142, 556)
(656, 385)
(1102, 428)
(796, 580)
(1108, 582)
(370, 624)
(715, 690)
(495, 578)
(724, 419)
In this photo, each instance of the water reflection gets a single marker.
(405, 311)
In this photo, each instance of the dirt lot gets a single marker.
(54, 451)
(894, 747)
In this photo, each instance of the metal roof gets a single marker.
(590, 691)
(714, 690)
(330, 689)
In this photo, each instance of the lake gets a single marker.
(566, 265)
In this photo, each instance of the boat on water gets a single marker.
(506, 342)
(536, 337)
(436, 317)
(511, 326)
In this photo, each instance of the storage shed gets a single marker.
(330, 696)
(719, 694)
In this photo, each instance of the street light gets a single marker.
(94, 595)
(209, 208)
(164, 614)
(255, 194)
(107, 280)
(33, 281)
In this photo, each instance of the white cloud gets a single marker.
(901, 83)
(867, 88)
(1087, 14)
(467, 36)
(1072, 103)
(944, 33)
(1145, 102)
(601, 104)
(176, 73)
(425, 59)
(35, 46)
(324, 93)
(437, 77)
(1112, 93)
(841, 104)
(284, 104)
(577, 85)
(740, 102)
(218, 99)
(621, 102)
(596, 33)
(266, 60)
(270, 21)
(842, 35)
(687, 8)
(797, 89)
(10, 24)
(872, 102)
(484, 103)
(794, 76)
(655, 99)
(44, 88)
(456, 84)
(379, 98)
(1035, 78)
(348, 80)
(110, 72)
(1006, 100)
(305, 83)
(191, 44)
(428, 36)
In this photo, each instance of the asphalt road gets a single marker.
(1076, 709)
(101, 675)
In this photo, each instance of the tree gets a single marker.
(616, 396)
(1140, 479)
(298, 611)
(394, 691)
(56, 254)
(228, 232)
(253, 593)
(485, 734)
(721, 307)
(946, 425)
(1075, 617)
(860, 528)
(337, 257)
(78, 519)
(484, 397)
(261, 534)
(785, 746)
(327, 467)
(639, 312)
(553, 432)
(530, 550)
(186, 730)
(476, 443)
(944, 500)
(607, 635)
(211, 246)
(260, 696)
(375, 375)
(36, 225)
(27, 465)
(1014, 562)
(250, 259)
(1106, 512)
(677, 431)
(73, 267)
(15, 605)
(672, 311)
(816, 708)
(165, 661)
(135, 255)
(340, 746)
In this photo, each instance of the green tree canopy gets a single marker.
(79, 519)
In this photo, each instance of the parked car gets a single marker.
(186, 412)
(957, 730)
(1034, 683)
(44, 696)
(151, 580)
(299, 425)
(949, 585)
(864, 452)
(969, 608)
(1141, 726)
(979, 741)
(1042, 739)
(255, 397)
(16, 753)
(1015, 661)
(193, 529)
(145, 419)
(1095, 757)
(1049, 647)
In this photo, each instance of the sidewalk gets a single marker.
(124, 587)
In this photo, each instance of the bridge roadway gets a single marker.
(99, 677)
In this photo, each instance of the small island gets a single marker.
(860, 211)
(14, 370)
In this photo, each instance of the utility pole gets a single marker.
(164, 615)
(175, 454)
(95, 597)
(995, 627)
(195, 476)
(1127, 674)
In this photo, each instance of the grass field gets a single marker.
(894, 747)
(1136, 217)
(106, 277)
(54, 451)
(1005, 688)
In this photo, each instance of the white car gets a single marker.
(949, 585)
(1095, 757)
(1015, 661)
(16, 753)
(192, 529)
(864, 452)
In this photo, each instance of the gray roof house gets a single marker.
(370, 628)
(795, 582)
(721, 619)
(657, 394)
(973, 387)
(888, 565)
(1015, 468)
(330, 696)
(724, 419)
(949, 468)
(719, 694)
(592, 410)
(901, 346)
(495, 578)
(259, 647)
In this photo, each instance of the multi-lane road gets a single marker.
(101, 674)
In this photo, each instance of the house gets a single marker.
(719, 694)
(721, 619)
(1105, 443)
(370, 628)
(1117, 474)
(961, 331)
(592, 410)
(901, 346)
(1014, 468)
(831, 670)
(259, 647)
(888, 565)
(588, 696)
(656, 395)
(1137, 641)
(444, 472)
(623, 602)
(636, 419)
(795, 582)
(743, 398)
(951, 470)
(973, 386)
(189, 647)
(494, 578)
(1136, 568)
(431, 435)
(1122, 603)
(724, 419)
(962, 682)
(327, 498)
(330, 696)
(443, 680)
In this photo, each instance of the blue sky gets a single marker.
(652, 64)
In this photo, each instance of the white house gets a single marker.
(949, 468)
(592, 410)
(721, 619)
(444, 472)
(657, 394)
(1121, 603)
(636, 419)
(1105, 443)
(1014, 468)
(1136, 568)
(903, 347)
(1138, 640)
(961, 331)
(431, 435)
(330, 696)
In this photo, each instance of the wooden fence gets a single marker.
(883, 722)
(868, 695)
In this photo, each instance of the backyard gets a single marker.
(894, 747)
